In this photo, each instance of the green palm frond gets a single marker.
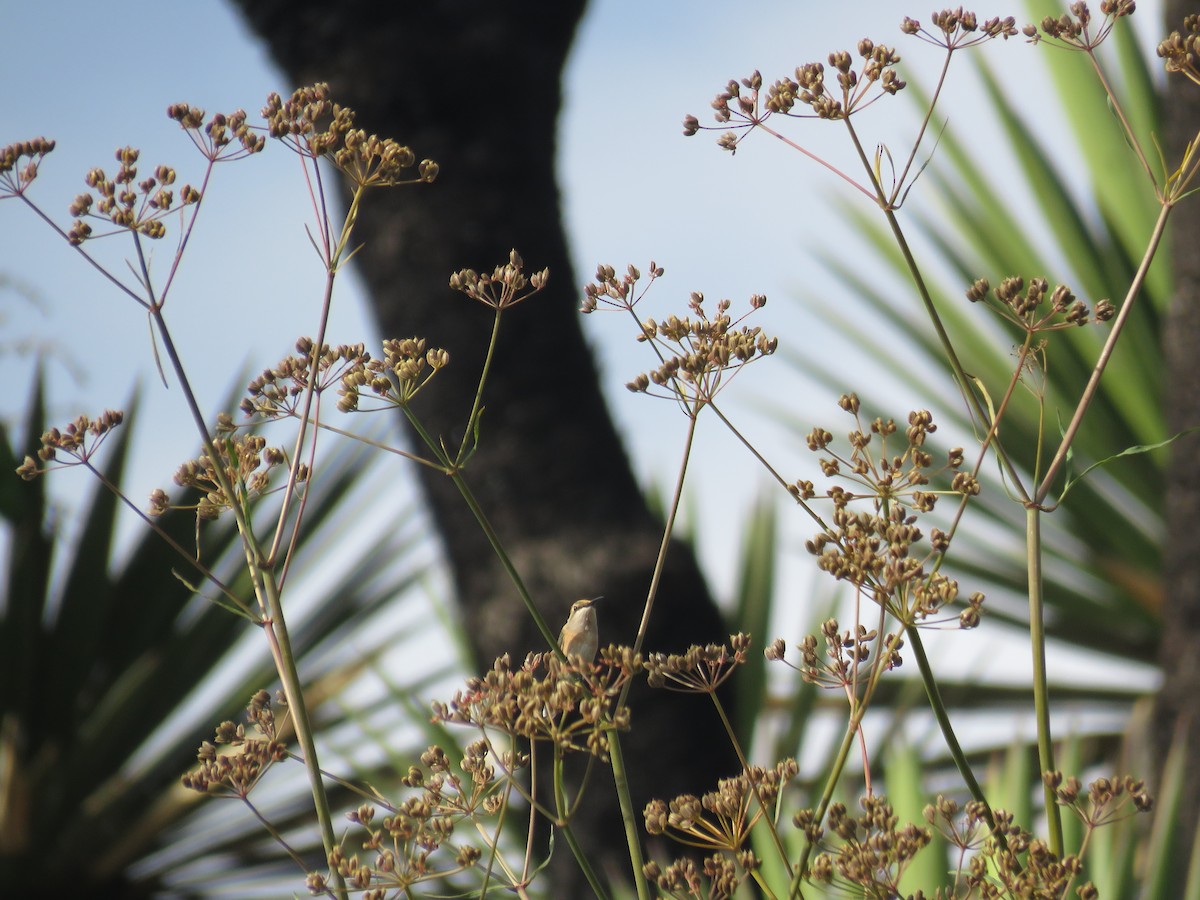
(113, 673)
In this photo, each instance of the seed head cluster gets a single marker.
(234, 774)
(866, 855)
(1010, 861)
(417, 840)
(248, 463)
(79, 440)
(722, 821)
(698, 669)
(872, 538)
(698, 354)
(572, 704)
(315, 127)
(957, 28)
(1036, 309)
(506, 286)
(1180, 50)
(19, 164)
(1075, 30)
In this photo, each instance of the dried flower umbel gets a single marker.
(1035, 308)
(215, 138)
(958, 29)
(80, 440)
(235, 774)
(742, 108)
(865, 855)
(1179, 50)
(741, 105)
(248, 464)
(1010, 861)
(315, 127)
(698, 354)
(572, 704)
(505, 287)
(418, 840)
(845, 654)
(875, 548)
(15, 175)
(720, 821)
(724, 818)
(396, 379)
(1074, 29)
(278, 392)
(699, 669)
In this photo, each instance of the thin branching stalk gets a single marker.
(313, 376)
(664, 545)
(960, 375)
(943, 719)
(812, 513)
(768, 817)
(527, 864)
(381, 446)
(285, 663)
(515, 576)
(616, 758)
(893, 199)
(1041, 692)
(275, 834)
(560, 803)
(853, 726)
(237, 603)
(477, 403)
(1118, 326)
(1131, 138)
(267, 593)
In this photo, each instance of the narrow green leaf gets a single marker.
(907, 792)
(756, 586)
(1129, 451)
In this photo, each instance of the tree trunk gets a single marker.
(476, 86)
(1179, 655)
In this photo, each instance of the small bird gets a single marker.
(580, 636)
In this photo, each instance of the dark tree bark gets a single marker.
(1179, 656)
(476, 86)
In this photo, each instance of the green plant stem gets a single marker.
(477, 403)
(264, 586)
(835, 773)
(668, 531)
(943, 719)
(267, 592)
(1118, 326)
(285, 663)
(1041, 694)
(560, 803)
(767, 815)
(494, 539)
(960, 375)
(616, 759)
(453, 469)
(839, 763)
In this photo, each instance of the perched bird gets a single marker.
(580, 636)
